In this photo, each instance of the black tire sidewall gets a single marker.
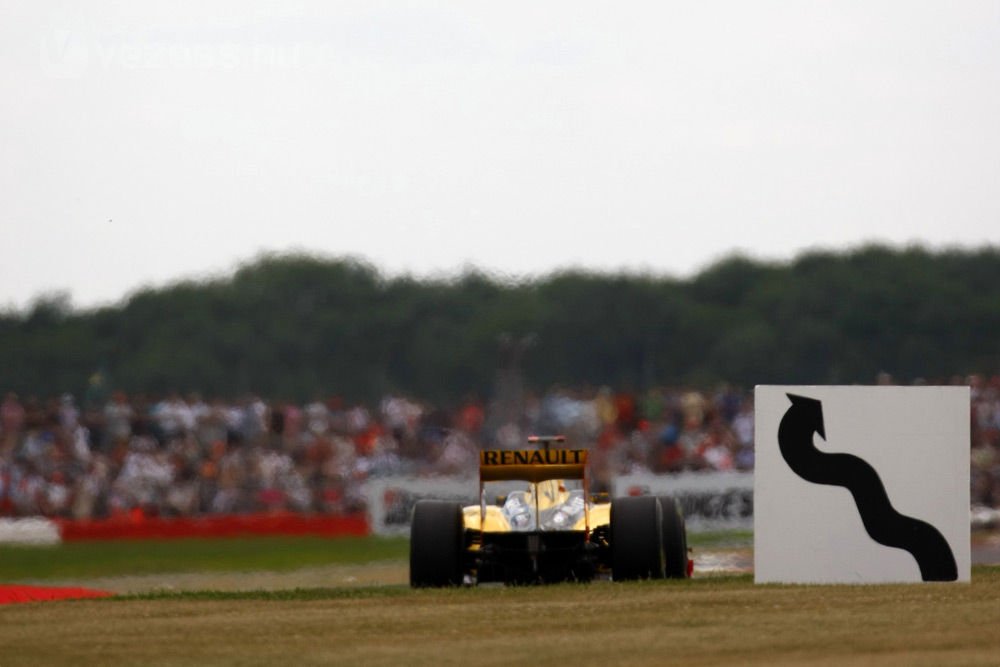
(636, 538)
(436, 544)
(674, 538)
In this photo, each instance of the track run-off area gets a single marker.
(247, 606)
(712, 620)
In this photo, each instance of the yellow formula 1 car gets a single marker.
(547, 529)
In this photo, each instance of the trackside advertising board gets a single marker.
(709, 500)
(861, 484)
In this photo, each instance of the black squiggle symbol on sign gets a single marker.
(884, 524)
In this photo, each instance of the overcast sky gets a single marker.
(143, 143)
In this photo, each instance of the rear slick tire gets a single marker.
(636, 538)
(436, 544)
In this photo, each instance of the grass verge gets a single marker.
(107, 558)
(135, 557)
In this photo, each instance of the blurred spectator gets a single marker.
(12, 417)
(743, 430)
(317, 417)
(118, 415)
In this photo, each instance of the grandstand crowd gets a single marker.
(183, 455)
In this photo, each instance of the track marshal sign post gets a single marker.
(861, 484)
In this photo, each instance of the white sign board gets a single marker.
(861, 484)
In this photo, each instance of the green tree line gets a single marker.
(297, 326)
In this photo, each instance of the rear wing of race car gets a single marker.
(534, 465)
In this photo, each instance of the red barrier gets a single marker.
(139, 527)
(13, 593)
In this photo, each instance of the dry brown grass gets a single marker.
(701, 622)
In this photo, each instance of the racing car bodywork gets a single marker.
(552, 530)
